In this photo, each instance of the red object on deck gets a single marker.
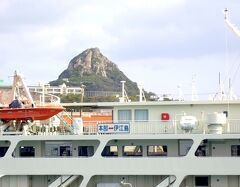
(165, 116)
(90, 119)
(39, 113)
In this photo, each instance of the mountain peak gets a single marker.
(90, 61)
(96, 72)
(94, 50)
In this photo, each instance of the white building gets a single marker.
(61, 89)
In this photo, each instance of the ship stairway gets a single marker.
(167, 182)
(63, 181)
(65, 120)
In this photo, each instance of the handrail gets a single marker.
(68, 126)
(135, 127)
(59, 181)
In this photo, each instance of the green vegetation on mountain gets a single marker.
(96, 73)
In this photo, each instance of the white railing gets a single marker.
(233, 126)
(151, 127)
(141, 127)
(169, 127)
(145, 127)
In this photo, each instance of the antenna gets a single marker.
(180, 93)
(141, 93)
(236, 30)
(225, 12)
(194, 91)
(219, 79)
(232, 96)
(231, 26)
(220, 95)
(124, 97)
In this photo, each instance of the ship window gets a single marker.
(3, 151)
(201, 181)
(110, 151)
(124, 115)
(203, 149)
(184, 147)
(132, 151)
(235, 150)
(85, 151)
(141, 115)
(157, 150)
(56, 149)
(27, 151)
(65, 151)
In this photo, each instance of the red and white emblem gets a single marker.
(165, 116)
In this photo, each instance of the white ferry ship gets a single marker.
(145, 144)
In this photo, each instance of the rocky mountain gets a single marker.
(96, 72)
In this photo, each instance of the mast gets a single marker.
(230, 25)
(180, 93)
(18, 82)
(236, 30)
(124, 97)
(194, 91)
(141, 93)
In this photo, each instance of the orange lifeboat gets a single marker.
(17, 109)
(39, 113)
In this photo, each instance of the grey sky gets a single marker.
(160, 43)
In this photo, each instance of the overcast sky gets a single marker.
(160, 43)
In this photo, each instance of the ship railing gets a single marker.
(135, 127)
(52, 98)
(152, 127)
(47, 98)
(66, 120)
(162, 127)
(138, 127)
(11, 133)
(232, 126)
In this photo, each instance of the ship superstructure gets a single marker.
(145, 144)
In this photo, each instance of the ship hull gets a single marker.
(41, 113)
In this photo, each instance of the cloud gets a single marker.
(4, 4)
(154, 4)
(162, 75)
(183, 30)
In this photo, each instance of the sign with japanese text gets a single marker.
(113, 128)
